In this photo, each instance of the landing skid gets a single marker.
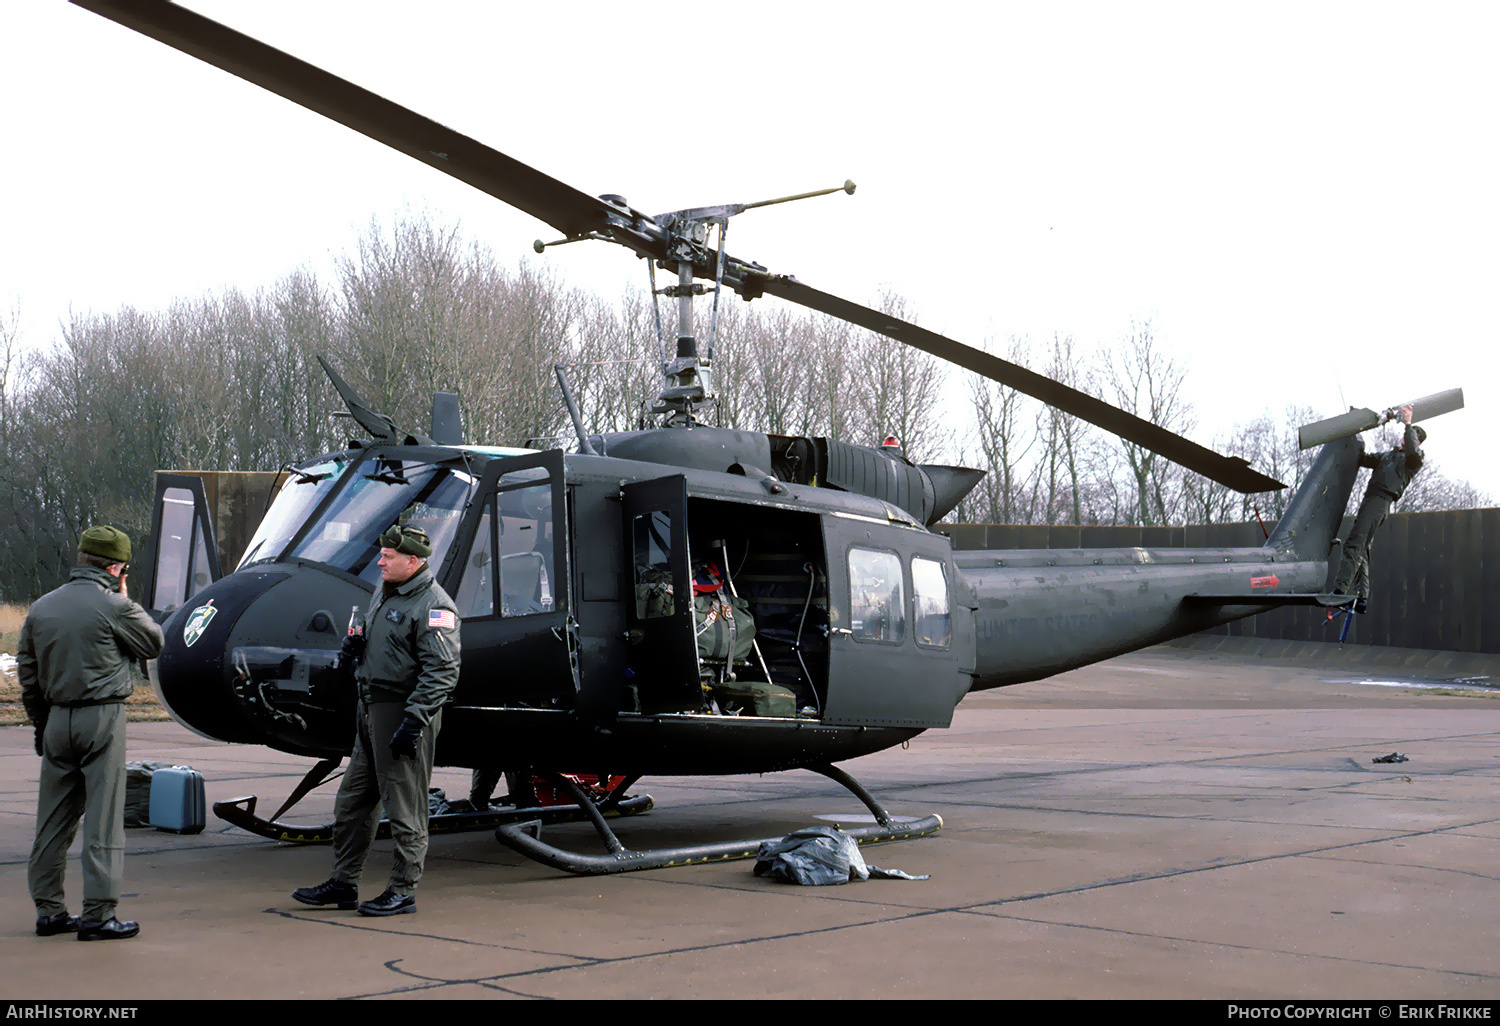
(524, 838)
(240, 812)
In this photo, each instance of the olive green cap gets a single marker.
(107, 543)
(412, 541)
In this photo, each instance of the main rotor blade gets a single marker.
(563, 207)
(1230, 471)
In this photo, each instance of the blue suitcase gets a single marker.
(177, 800)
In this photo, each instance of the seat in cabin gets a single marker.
(521, 577)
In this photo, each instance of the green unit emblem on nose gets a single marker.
(198, 623)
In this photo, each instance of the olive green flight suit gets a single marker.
(410, 665)
(74, 659)
(1393, 471)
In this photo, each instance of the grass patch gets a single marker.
(1461, 692)
(11, 618)
(141, 706)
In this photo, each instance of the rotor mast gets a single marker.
(687, 380)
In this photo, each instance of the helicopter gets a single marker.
(587, 579)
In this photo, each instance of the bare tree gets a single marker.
(1144, 380)
(619, 371)
(1005, 437)
(897, 388)
(1433, 490)
(1064, 438)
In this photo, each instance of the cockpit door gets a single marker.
(507, 572)
(184, 552)
(659, 604)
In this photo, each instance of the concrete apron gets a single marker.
(1175, 823)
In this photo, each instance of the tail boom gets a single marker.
(1043, 611)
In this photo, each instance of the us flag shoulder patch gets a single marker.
(443, 618)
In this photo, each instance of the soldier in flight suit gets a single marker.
(1393, 472)
(407, 667)
(74, 660)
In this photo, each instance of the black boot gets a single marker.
(110, 929)
(329, 892)
(389, 904)
(51, 926)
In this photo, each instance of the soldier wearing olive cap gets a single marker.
(407, 666)
(74, 659)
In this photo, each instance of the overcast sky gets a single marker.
(1301, 197)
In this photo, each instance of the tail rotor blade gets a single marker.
(1346, 425)
(1334, 428)
(1436, 405)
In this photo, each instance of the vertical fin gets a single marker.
(1307, 529)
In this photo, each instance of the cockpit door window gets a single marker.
(511, 565)
(514, 562)
(184, 553)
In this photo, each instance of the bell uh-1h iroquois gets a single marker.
(585, 580)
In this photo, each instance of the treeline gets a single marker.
(230, 381)
(1049, 468)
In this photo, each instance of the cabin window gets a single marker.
(933, 623)
(877, 605)
(509, 569)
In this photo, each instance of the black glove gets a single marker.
(351, 652)
(40, 728)
(404, 741)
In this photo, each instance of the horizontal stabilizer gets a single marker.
(1269, 598)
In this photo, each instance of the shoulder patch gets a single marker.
(442, 618)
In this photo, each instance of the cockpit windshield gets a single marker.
(299, 496)
(379, 492)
